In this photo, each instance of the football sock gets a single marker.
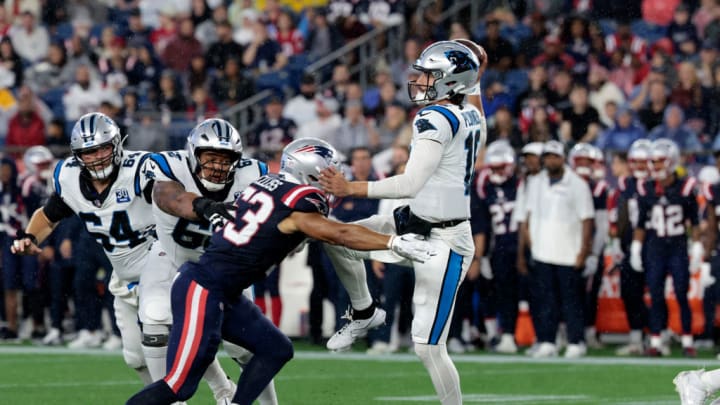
(442, 372)
(276, 310)
(216, 378)
(144, 375)
(363, 313)
(268, 396)
(491, 327)
(351, 272)
(155, 359)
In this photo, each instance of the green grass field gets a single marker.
(41, 376)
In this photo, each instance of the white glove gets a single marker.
(486, 269)
(411, 246)
(591, 265)
(706, 277)
(636, 256)
(697, 253)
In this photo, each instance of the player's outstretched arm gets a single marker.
(38, 229)
(171, 197)
(357, 237)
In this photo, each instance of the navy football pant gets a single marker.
(558, 293)
(201, 319)
(632, 290)
(507, 286)
(658, 265)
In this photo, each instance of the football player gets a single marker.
(492, 205)
(667, 208)
(447, 134)
(273, 217)
(632, 282)
(103, 185)
(205, 178)
(584, 159)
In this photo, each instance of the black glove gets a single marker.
(217, 214)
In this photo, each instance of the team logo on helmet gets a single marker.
(462, 61)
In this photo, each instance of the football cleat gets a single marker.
(225, 396)
(456, 346)
(575, 350)
(112, 343)
(545, 349)
(53, 337)
(691, 388)
(355, 329)
(506, 344)
(86, 340)
(630, 349)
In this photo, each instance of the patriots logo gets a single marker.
(423, 125)
(321, 205)
(320, 150)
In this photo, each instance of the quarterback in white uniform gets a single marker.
(193, 190)
(104, 186)
(447, 135)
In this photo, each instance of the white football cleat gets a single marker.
(575, 351)
(456, 346)
(346, 336)
(691, 388)
(225, 397)
(630, 349)
(545, 349)
(112, 343)
(506, 344)
(53, 337)
(86, 340)
(381, 348)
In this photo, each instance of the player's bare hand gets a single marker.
(334, 182)
(24, 247)
(379, 269)
(412, 246)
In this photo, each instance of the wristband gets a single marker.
(21, 234)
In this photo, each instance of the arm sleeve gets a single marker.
(55, 208)
(423, 161)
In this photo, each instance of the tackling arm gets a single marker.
(316, 226)
(171, 197)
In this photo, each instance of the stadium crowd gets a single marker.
(584, 74)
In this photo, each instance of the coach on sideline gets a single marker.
(560, 220)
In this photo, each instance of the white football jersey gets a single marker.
(181, 239)
(462, 132)
(122, 223)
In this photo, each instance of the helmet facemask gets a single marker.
(216, 168)
(423, 91)
(104, 163)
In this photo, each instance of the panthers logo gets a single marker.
(462, 61)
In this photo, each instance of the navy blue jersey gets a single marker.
(243, 251)
(628, 195)
(712, 198)
(599, 191)
(492, 211)
(273, 135)
(663, 212)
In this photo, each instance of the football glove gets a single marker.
(411, 246)
(486, 268)
(697, 253)
(591, 265)
(636, 256)
(217, 214)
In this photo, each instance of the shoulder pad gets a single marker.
(306, 198)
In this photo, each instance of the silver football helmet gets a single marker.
(303, 160)
(446, 68)
(639, 158)
(91, 132)
(217, 135)
(37, 160)
(581, 159)
(665, 158)
(500, 160)
(599, 170)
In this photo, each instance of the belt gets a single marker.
(447, 224)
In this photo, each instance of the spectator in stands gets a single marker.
(382, 13)
(56, 139)
(224, 48)
(136, 30)
(530, 47)
(556, 273)
(688, 93)
(198, 74)
(623, 133)
(458, 30)
(322, 37)
(83, 96)
(51, 73)
(263, 55)
(301, 108)
(26, 128)
(553, 56)
(538, 84)
(231, 86)
(673, 129)
(5, 22)
(79, 54)
(274, 132)
(652, 114)
(355, 130)
(181, 49)
(340, 80)
(112, 64)
(11, 67)
(371, 95)
(494, 96)
(290, 39)
(503, 127)
(201, 106)
(394, 127)
(499, 50)
(236, 9)
(542, 127)
(706, 63)
(560, 88)
(626, 42)
(243, 34)
(165, 32)
(581, 122)
(31, 41)
(576, 37)
(603, 91)
(401, 67)
(682, 32)
(713, 104)
(170, 97)
(148, 133)
(206, 31)
(704, 15)
(199, 11)
(143, 68)
(327, 123)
